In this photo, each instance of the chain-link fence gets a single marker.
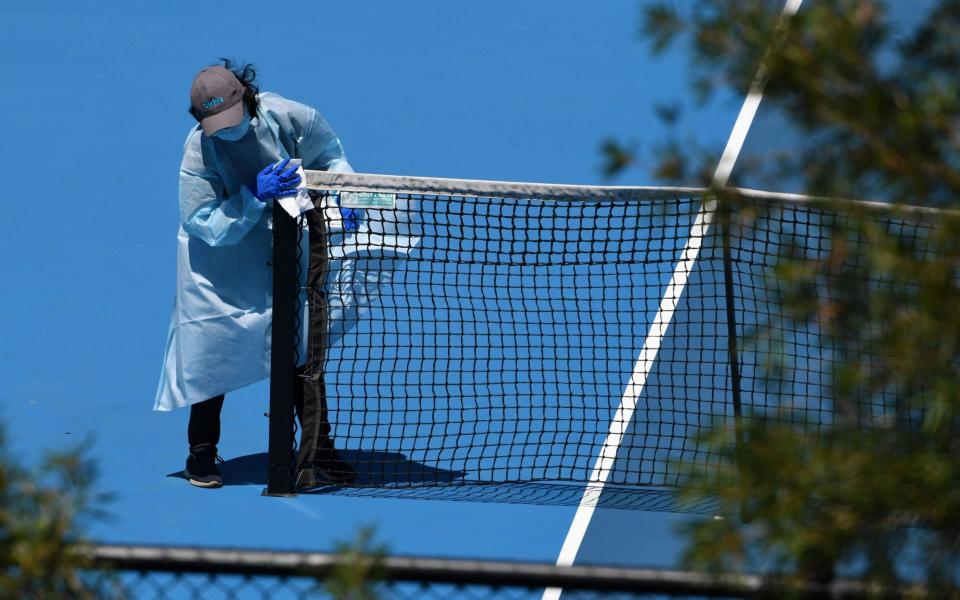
(128, 572)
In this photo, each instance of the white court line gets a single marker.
(651, 346)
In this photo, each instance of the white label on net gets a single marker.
(368, 200)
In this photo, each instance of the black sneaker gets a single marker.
(327, 469)
(333, 467)
(201, 468)
(308, 479)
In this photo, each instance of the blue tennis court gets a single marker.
(473, 91)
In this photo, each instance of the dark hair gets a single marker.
(247, 74)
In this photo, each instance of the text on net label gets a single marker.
(368, 200)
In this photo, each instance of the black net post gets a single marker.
(283, 358)
(725, 212)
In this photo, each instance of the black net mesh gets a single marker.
(464, 338)
(117, 571)
(818, 289)
(157, 585)
(491, 339)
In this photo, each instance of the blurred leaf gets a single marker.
(41, 513)
(668, 114)
(671, 165)
(357, 577)
(616, 157)
(661, 25)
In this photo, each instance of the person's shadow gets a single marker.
(373, 469)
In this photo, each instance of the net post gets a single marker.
(725, 209)
(283, 355)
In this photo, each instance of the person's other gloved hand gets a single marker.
(351, 218)
(275, 182)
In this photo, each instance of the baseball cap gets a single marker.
(216, 96)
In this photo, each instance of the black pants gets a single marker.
(310, 399)
(310, 405)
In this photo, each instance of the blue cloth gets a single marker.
(351, 218)
(219, 335)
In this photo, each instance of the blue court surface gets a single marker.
(482, 90)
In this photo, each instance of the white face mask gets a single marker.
(232, 134)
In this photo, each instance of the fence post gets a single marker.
(283, 354)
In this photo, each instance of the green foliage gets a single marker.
(662, 24)
(356, 578)
(875, 494)
(813, 503)
(880, 115)
(616, 157)
(40, 514)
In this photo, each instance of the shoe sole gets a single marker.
(204, 484)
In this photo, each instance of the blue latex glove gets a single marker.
(274, 182)
(351, 218)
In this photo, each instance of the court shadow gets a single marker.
(543, 494)
(373, 469)
(392, 475)
(393, 469)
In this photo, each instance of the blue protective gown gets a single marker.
(219, 336)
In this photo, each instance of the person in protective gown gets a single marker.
(234, 166)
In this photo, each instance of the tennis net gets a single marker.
(472, 331)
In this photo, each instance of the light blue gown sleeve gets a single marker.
(317, 143)
(209, 216)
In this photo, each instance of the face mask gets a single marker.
(232, 134)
